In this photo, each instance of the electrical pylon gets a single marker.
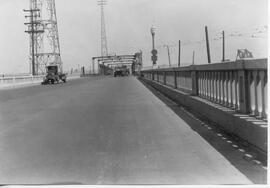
(44, 40)
(104, 48)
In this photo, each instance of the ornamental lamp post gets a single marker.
(154, 51)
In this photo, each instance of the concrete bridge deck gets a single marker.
(103, 130)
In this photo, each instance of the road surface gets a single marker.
(102, 131)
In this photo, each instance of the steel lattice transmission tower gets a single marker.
(104, 48)
(44, 38)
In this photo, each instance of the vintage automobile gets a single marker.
(121, 71)
(53, 76)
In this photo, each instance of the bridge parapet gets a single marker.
(240, 85)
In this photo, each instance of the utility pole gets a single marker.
(207, 45)
(223, 46)
(179, 53)
(32, 30)
(169, 56)
(193, 58)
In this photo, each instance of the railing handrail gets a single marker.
(20, 77)
(247, 64)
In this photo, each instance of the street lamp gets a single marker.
(154, 51)
(152, 30)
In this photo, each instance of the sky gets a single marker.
(128, 24)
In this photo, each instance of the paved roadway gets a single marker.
(102, 131)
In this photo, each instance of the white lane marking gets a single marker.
(241, 150)
(248, 156)
(229, 141)
(256, 162)
(235, 146)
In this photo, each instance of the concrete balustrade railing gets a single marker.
(240, 85)
(20, 79)
(25, 80)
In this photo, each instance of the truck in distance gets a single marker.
(53, 75)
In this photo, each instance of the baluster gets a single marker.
(252, 88)
(218, 87)
(189, 85)
(208, 85)
(211, 86)
(237, 101)
(212, 79)
(199, 83)
(260, 93)
(233, 100)
(251, 106)
(189, 81)
(222, 88)
(263, 80)
(256, 85)
(214, 86)
(184, 79)
(265, 95)
(226, 89)
(213, 89)
(203, 84)
(231, 90)
(179, 79)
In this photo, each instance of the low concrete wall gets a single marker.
(21, 81)
(230, 121)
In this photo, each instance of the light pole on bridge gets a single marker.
(154, 51)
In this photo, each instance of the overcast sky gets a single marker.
(128, 24)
